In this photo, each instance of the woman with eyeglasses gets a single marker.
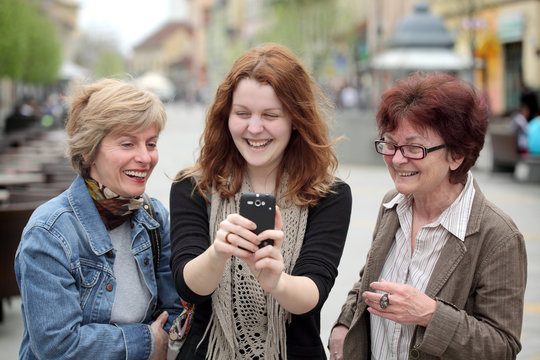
(445, 276)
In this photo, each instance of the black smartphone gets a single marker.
(261, 209)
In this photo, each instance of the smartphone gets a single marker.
(261, 209)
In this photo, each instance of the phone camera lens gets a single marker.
(257, 202)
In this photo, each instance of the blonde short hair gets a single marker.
(107, 106)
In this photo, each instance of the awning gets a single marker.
(428, 59)
(72, 71)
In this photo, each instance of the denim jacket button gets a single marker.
(109, 287)
(146, 261)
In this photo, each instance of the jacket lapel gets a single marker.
(451, 255)
(381, 246)
(454, 250)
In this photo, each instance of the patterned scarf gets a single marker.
(239, 305)
(113, 209)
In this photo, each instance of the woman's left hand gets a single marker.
(406, 304)
(267, 262)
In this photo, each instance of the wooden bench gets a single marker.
(503, 146)
(528, 168)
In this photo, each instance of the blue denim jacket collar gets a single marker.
(83, 206)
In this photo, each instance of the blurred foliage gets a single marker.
(29, 46)
(44, 55)
(101, 55)
(12, 41)
(110, 64)
(324, 34)
(306, 27)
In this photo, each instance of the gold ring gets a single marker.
(227, 237)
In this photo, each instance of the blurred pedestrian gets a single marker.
(529, 100)
(528, 109)
(22, 118)
(349, 97)
(53, 109)
(533, 136)
(446, 273)
(266, 133)
(84, 265)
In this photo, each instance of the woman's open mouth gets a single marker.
(406, 174)
(138, 175)
(258, 144)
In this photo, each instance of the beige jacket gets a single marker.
(479, 286)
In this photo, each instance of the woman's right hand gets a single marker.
(337, 338)
(161, 337)
(235, 237)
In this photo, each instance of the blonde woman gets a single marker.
(84, 265)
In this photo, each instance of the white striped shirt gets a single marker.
(391, 340)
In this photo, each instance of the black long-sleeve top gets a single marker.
(326, 231)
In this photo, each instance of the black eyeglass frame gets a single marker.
(397, 147)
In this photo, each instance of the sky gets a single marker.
(127, 21)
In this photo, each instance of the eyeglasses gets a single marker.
(415, 152)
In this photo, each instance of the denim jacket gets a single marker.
(64, 268)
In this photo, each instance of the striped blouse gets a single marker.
(391, 340)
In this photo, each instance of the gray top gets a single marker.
(132, 294)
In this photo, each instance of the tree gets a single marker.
(43, 54)
(101, 55)
(306, 27)
(13, 42)
(110, 64)
(29, 48)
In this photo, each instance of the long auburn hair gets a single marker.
(309, 158)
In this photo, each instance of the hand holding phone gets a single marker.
(261, 209)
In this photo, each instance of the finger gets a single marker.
(238, 236)
(238, 225)
(275, 266)
(239, 220)
(371, 296)
(162, 318)
(278, 219)
(377, 312)
(385, 286)
(269, 253)
(241, 247)
(373, 300)
(275, 235)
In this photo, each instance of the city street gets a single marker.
(365, 172)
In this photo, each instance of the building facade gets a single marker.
(503, 36)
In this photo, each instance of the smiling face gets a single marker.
(124, 162)
(259, 126)
(425, 178)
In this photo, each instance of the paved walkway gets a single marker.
(368, 183)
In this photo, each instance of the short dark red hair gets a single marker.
(449, 106)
